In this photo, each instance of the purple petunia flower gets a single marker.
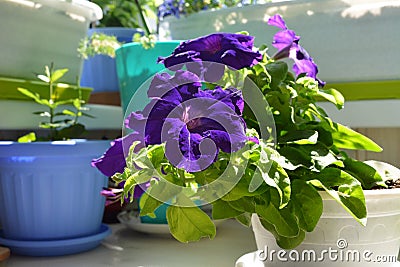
(113, 160)
(227, 49)
(195, 124)
(287, 43)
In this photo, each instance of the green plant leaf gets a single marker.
(68, 112)
(136, 177)
(148, 205)
(333, 96)
(307, 204)
(278, 71)
(35, 97)
(283, 220)
(244, 204)
(284, 241)
(347, 138)
(161, 189)
(188, 224)
(244, 218)
(349, 192)
(58, 74)
(30, 137)
(270, 172)
(222, 210)
(303, 137)
(73, 131)
(366, 174)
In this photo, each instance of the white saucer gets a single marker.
(132, 221)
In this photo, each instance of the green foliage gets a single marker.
(98, 44)
(62, 115)
(124, 13)
(279, 181)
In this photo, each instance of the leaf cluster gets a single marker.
(124, 13)
(61, 115)
(279, 180)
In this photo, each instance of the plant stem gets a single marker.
(146, 28)
(51, 100)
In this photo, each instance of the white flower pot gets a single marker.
(350, 40)
(36, 33)
(345, 241)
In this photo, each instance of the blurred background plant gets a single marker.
(125, 13)
(98, 44)
(187, 7)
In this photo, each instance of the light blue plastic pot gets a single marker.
(99, 72)
(135, 65)
(50, 191)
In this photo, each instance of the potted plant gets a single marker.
(50, 195)
(64, 23)
(122, 20)
(230, 125)
(137, 61)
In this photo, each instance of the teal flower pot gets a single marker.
(135, 65)
(161, 215)
(50, 191)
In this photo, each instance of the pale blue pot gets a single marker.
(49, 190)
(99, 72)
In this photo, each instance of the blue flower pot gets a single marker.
(135, 65)
(99, 72)
(50, 191)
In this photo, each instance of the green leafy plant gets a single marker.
(62, 115)
(178, 8)
(273, 167)
(98, 44)
(124, 13)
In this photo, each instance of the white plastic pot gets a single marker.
(338, 239)
(36, 33)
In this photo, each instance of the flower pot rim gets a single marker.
(53, 148)
(137, 44)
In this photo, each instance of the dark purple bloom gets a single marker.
(287, 43)
(195, 124)
(113, 160)
(227, 49)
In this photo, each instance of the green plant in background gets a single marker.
(98, 44)
(124, 13)
(186, 7)
(62, 115)
(127, 14)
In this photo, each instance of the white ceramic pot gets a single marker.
(338, 239)
(36, 33)
(350, 40)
